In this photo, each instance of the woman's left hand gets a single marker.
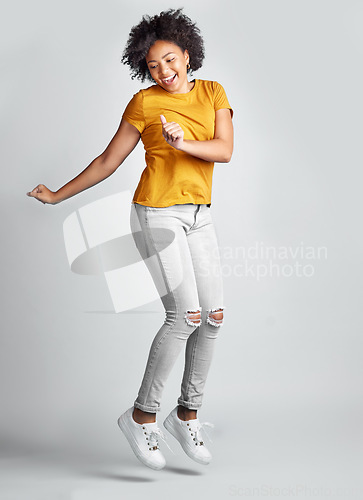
(172, 133)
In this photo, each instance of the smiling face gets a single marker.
(167, 64)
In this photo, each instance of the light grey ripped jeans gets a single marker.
(180, 248)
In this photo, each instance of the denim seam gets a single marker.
(192, 360)
(195, 218)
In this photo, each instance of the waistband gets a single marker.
(176, 205)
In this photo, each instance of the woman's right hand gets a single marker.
(43, 194)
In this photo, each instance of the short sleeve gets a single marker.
(134, 112)
(220, 98)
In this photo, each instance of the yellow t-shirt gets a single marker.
(172, 176)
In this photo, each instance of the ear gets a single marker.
(186, 55)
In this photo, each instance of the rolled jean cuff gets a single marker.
(148, 409)
(190, 406)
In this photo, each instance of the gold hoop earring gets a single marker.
(188, 66)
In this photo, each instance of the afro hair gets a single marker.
(170, 25)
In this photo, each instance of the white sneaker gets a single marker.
(143, 439)
(188, 433)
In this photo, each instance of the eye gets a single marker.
(152, 67)
(170, 60)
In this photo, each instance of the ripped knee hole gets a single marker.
(193, 317)
(215, 316)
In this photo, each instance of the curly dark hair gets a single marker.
(170, 25)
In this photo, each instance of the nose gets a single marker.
(164, 69)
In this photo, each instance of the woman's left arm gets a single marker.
(219, 149)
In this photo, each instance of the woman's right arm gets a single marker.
(121, 145)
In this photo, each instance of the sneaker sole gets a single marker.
(130, 438)
(170, 428)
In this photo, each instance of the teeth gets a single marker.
(168, 79)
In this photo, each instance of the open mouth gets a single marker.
(169, 80)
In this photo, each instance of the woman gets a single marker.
(185, 127)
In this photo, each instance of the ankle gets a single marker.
(143, 417)
(186, 413)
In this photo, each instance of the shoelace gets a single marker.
(153, 438)
(195, 428)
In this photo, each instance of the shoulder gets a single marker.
(150, 91)
(142, 93)
(216, 94)
(210, 86)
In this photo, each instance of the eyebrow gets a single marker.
(153, 60)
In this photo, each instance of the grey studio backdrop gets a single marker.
(285, 388)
